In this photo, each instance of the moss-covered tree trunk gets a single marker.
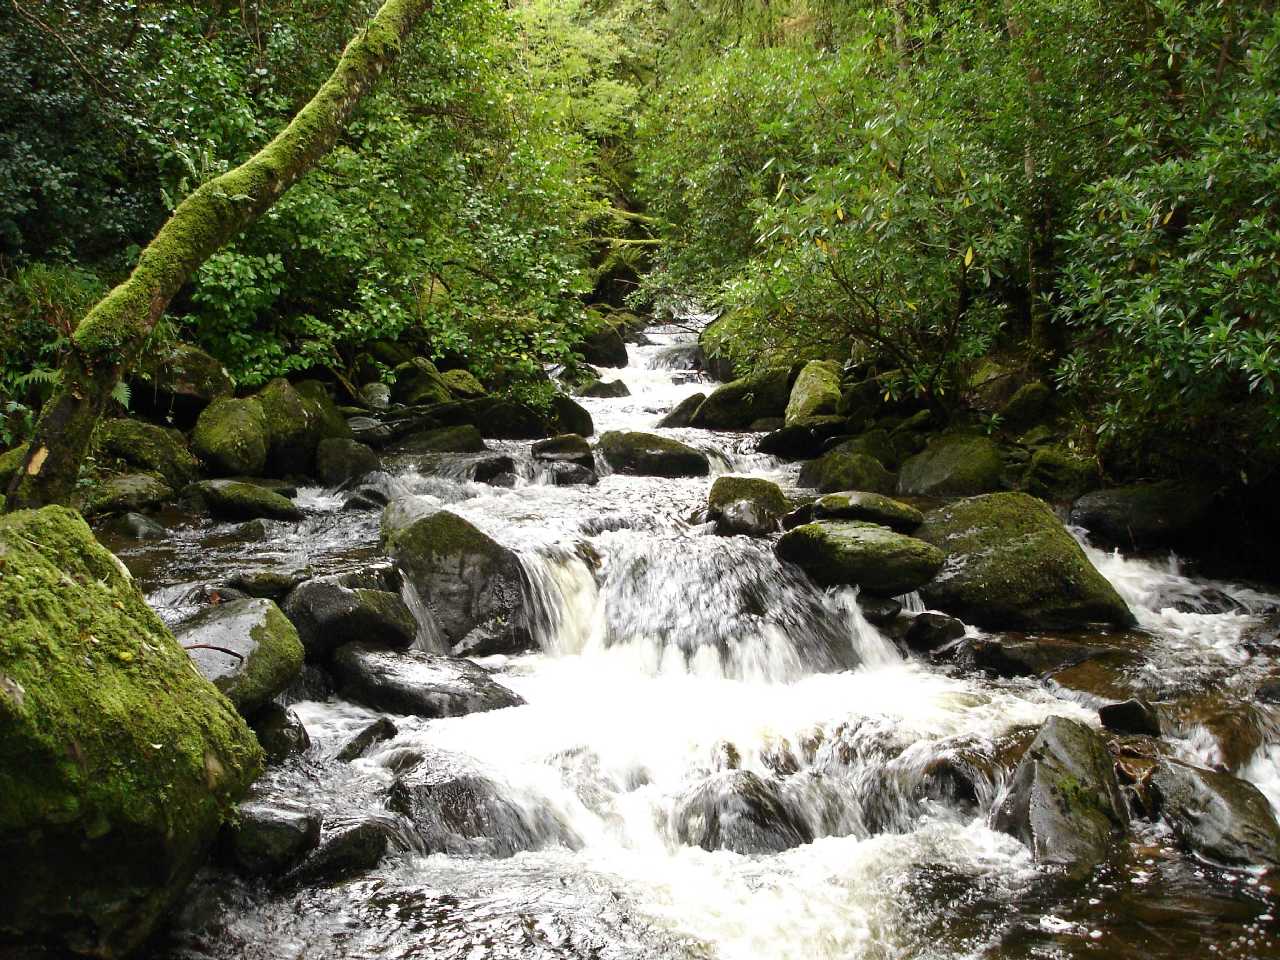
(111, 336)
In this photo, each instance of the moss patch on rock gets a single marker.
(869, 508)
(952, 466)
(463, 384)
(740, 403)
(816, 392)
(836, 553)
(649, 455)
(130, 492)
(231, 438)
(268, 653)
(148, 447)
(746, 505)
(838, 471)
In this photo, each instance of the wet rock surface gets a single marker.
(417, 683)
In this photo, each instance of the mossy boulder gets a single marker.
(127, 493)
(178, 380)
(1057, 474)
(236, 500)
(118, 761)
(649, 455)
(340, 461)
(329, 421)
(331, 611)
(473, 585)
(869, 508)
(461, 439)
(681, 415)
(293, 428)
(837, 471)
(872, 443)
(1142, 515)
(604, 344)
(463, 384)
(841, 552)
(419, 382)
(952, 466)
(1010, 563)
(149, 448)
(231, 438)
(248, 649)
(1064, 801)
(746, 505)
(816, 392)
(740, 403)
(1027, 407)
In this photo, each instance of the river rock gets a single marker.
(236, 500)
(280, 732)
(148, 448)
(1011, 564)
(473, 585)
(837, 471)
(571, 474)
(567, 448)
(815, 393)
(265, 651)
(230, 437)
(749, 506)
(1223, 819)
(416, 683)
(177, 381)
(740, 403)
(877, 443)
(836, 552)
(269, 837)
(376, 396)
(952, 466)
(803, 438)
(869, 508)
(649, 455)
(293, 429)
(737, 810)
(347, 848)
(1141, 515)
(342, 461)
(493, 468)
(929, 631)
(1064, 801)
(137, 526)
(328, 613)
(458, 811)
(419, 382)
(681, 415)
(603, 347)
(127, 493)
(1058, 475)
(1133, 716)
(463, 384)
(376, 731)
(461, 439)
(605, 390)
(118, 761)
(327, 418)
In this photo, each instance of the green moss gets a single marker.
(861, 554)
(117, 760)
(147, 447)
(728, 490)
(740, 403)
(816, 391)
(258, 631)
(463, 384)
(872, 443)
(293, 428)
(869, 508)
(1057, 475)
(231, 437)
(953, 466)
(445, 534)
(646, 454)
(328, 419)
(130, 492)
(11, 462)
(838, 471)
(236, 500)
(419, 382)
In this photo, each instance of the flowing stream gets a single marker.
(674, 661)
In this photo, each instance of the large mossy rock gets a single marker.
(604, 345)
(150, 448)
(330, 422)
(816, 392)
(419, 382)
(1011, 564)
(1064, 801)
(178, 380)
(472, 584)
(1143, 514)
(869, 508)
(1221, 818)
(129, 493)
(952, 466)
(842, 552)
(837, 471)
(740, 403)
(294, 429)
(681, 415)
(11, 461)
(247, 648)
(463, 384)
(566, 448)
(649, 455)
(237, 500)
(750, 506)
(1058, 475)
(118, 761)
(231, 438)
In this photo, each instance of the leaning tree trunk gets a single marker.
(109, 339)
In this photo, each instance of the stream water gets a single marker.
(673, 660)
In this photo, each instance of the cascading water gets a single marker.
(690, 685)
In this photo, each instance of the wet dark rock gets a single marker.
(373, 732)
(461, 439)
(1064, 801)
(1221, 818)
(1057, 474)
(487, 468)
(569, 416)
(458, 811)
(247, 648)
(1142, 515)
(605, 347)
(340, 461)
(1010, 563)
(876, 443)
(568, 448)
(371, 431)
(878, 611)
(737, 810)
(571, 474)
(869, 508)
(952, 466)
(130, 492)
(178, 380)
(328, 614)
(1130, 716)
(346, 849)
(272, 584)
(269, 837)
(1269, 692)
(234, 500)
(749, 506)
(798, 517)
(646, 454)
(681, 415)
(929, 631)
(605, 390)
(833, 472)
(1037, 656)
(137, 526)
(1028, 405)
(1210, 600)
(740, 403)
(280, 732)
(767, 424)
(804, 438)
(835, 552)
(473, 585)
(416, 683)
(507, 481)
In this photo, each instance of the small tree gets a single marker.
(108, 341)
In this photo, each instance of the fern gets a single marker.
(40, 376)
(121, 394)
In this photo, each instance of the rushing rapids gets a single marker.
(714, 757)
